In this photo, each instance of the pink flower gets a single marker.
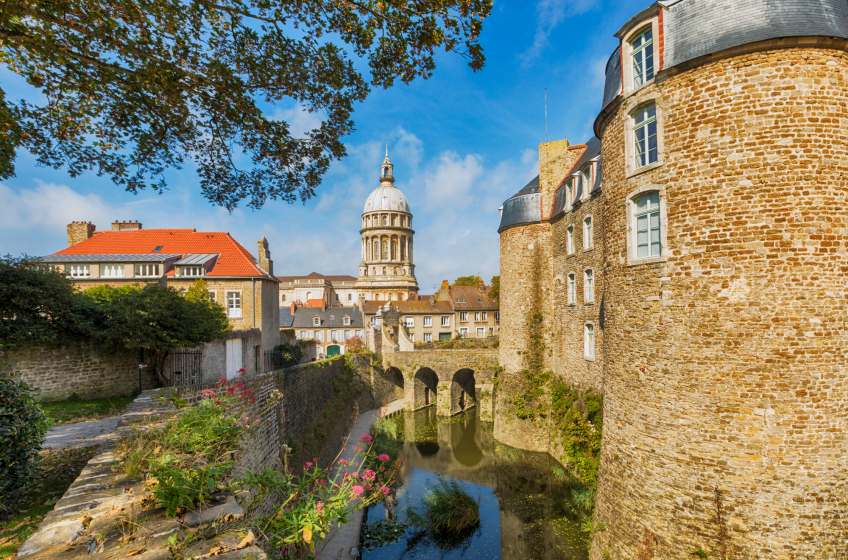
(368, 475)
(320, 507)
(257, 420)
(384, 458)
(382, 469)
(323, 482)
(368, 487)
(365, 437)
(357, 490)
(217, 402)
(385, 490)
(342, 462)
(240, 384)
(248, 391)
(241, 371)
(222, 380)
(309, 464)
(209, 392)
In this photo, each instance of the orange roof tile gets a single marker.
(233, 259)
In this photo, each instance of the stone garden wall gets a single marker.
(57, 373)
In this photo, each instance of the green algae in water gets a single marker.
(526, 503)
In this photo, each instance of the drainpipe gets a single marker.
(253, 295)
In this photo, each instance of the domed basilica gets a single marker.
(386, 271)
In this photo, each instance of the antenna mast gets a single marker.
(546, 115)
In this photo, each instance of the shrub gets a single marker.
(446, 509)
(22, 429)
(292, 354)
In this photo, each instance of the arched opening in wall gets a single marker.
(425, 388)
(463, 395)
(394, 376)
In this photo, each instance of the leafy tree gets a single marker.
(468, 281)
(156, 318)
(22, 429)
(495, 292)
(39, 306)
(199, 291)
(354, 345)
(132, 88)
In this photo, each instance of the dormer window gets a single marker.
(78, 270)
(569, 192)
(642, 53)
(191, 271)
(586, 174)
(316, 321)
(112, 270)
(346, 320)
(147, 270)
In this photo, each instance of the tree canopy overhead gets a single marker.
(133, 87)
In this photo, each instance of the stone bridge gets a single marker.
(453, 380)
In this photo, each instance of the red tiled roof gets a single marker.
(233, 260)
(470, 298)
(371, 307)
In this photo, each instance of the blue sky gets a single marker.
(461, 142)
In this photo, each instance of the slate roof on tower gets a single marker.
(232, 259)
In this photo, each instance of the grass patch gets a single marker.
(57, 470)
(73, 411)
(446, 509)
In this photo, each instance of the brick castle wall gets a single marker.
(726, 364)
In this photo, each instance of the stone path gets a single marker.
(82, 434)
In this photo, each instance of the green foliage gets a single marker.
(495, 292)
(156, 318)
(472, 280)
(579, 419)
(701, 553)
(292, 354)
(446, 509)
(76, 410)
(180, 486)
(133, 91)
(22, 429)
(39, 306)
(381, 533)
(199, 292)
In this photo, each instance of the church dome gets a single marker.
(387, 197)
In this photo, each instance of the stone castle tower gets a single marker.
(386, 271)
(690, 263)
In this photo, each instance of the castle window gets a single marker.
(569, 193)
(569, 238)
(586, 174)
(78, 270)
(588, 285)
(647, 216)
(112, 270)
(642, 53)
(589, 341)
(645, 135)
(587, 233)
(572, 289)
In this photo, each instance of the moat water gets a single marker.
(525, 497)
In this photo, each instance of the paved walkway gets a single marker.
(82, 434)
(340, 540)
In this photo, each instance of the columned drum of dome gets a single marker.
(386, 269)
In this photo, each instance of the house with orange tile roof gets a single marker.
(245, 285)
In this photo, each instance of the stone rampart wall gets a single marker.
(57, 373)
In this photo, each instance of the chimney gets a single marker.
(126, 225)
(555, 160)
(265, 262)
(293, 308)
(481, 287)
(79, 232)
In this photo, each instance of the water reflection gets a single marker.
(524, 496)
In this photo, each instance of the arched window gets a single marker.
(588, 241)
(569, 240)
(569, 192)
(588, 285)
(586, 174)
(384, 271)
(589, 341)
(572, 289)
(385, 220)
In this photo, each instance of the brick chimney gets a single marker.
(125, 225)
(293, 308)
(265, 262)
(79, 232)
(555, 160)
(481, 287)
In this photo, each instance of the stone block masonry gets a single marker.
(57, 373)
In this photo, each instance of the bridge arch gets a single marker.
(425, 388)
(463, 393)
(394, 376)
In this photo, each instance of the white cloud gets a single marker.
(550, 13)
(450, 181)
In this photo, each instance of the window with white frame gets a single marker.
(213, 296)
(311, 334)
(358, 333)
(463, 316)
(410, 322)
(428, 321)
(319, 336)
(569, 192)
(333, 335)
(647, 217)
(78, 270)
(428, 337)
(111, 270)
(646, 150)
(587, 233)
(586, 174)
(477, 317)
(412, 337)
(301, 335)
(445, 321)
(316, 321)
(147, 270)
(589, 341)
(346, 320)
(572, 289)
(347, 334)
(484, 315)
(642, 54)
(569, 240)
(463, 332)
(195, 270)
(588, 285)
(481, 332)
(234, 305)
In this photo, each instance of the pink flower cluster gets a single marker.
(384, 458)
(368, 475)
